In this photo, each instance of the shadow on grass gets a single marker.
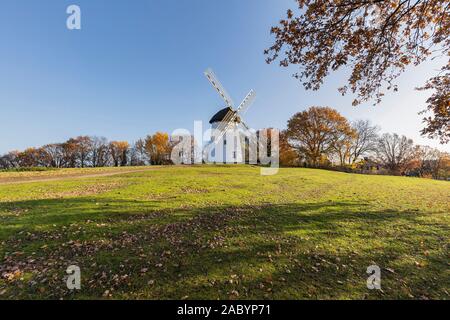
(286, 251)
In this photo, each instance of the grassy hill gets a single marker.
(222, 232)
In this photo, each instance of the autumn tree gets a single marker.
(342, 145)
(438, 125)
(30, 157)
(314, 132)
(119, 151)
(70, 153)
(395, 152)
(429, 162)
(288, 155)
(83, 145)
(421, 164)
(43, 158)
(158, 148)
(77, 152)
(376, 40)
(441, 167)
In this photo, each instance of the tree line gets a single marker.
(322, 137)
(319, 137)
(87, 151)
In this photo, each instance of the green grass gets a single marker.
(225, 232)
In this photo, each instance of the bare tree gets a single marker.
(137, 153)
(394, 152)
(364, 141)
(10, 160)
(84, 150)
(4, 162)
(55, 154)
(100, 156)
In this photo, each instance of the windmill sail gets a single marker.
(219, 88)
(247, 102)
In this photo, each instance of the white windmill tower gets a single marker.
(229, 131)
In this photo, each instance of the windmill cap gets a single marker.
(220, 115)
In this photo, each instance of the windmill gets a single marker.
(227, 123)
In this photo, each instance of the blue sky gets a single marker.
(136, 67)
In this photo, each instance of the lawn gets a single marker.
(222, 232)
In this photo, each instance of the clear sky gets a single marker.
(137, 66)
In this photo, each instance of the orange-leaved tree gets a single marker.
(316, 133)
(119, 151)
(288, 156)
(376, 40)
(158, 148)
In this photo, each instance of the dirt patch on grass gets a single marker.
(194, 190)
(161, 196)
(21, 177)
(83, 191)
